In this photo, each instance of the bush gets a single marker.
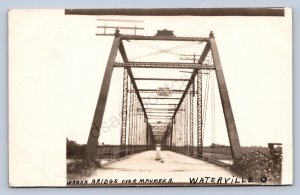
(258, 164)
(80, 166)
(75, 151)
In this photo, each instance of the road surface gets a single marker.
(173, 167)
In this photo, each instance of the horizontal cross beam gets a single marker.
(166, 98)
(161, 79)
(163, 121)
(163, 38)
(161, 104)
(167, 109)
(155, 91)
(175, 65)
(177, 92)
(159, 112)
(158, 117)
(169, 116)
(141, 90)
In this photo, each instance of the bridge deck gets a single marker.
(172, 165)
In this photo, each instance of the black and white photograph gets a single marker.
(150, 97)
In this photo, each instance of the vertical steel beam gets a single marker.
(199, 114)
(147, 134)
(124, 108)
(138, 129)
(148, 141)
(124, 113)
(145, 129)
(227, 110)
(150, 136)
(135, 121)
(186, 129)
(191, 117)
(172, 130)
(143, 135)
(199, 101)
(130, 118)
(101, 103)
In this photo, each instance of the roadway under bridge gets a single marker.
(145, 168)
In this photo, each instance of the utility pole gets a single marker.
(189, 57)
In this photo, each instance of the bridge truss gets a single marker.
(137, 113)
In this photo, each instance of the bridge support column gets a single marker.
(191, 117)
(199, 114)
(186, 127)
(227, 110)
(147, 133)
(130, 120)
(124, 114)
(135, 119)
(171, 132)
(100, 108)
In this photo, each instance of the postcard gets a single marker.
(150, 97)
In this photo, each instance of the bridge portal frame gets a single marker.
(197, 68)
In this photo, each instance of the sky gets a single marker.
(57, 64)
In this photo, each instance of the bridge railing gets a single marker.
(77, 151)
(216, 152)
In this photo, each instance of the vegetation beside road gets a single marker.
(258, 164)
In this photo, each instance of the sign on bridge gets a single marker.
(164, 91)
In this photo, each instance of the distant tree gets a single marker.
(217, 145)
(75, 150)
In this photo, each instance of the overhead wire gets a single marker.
(161, 50)
(213, 114)
(205, 103)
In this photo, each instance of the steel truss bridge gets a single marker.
(142, 126)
